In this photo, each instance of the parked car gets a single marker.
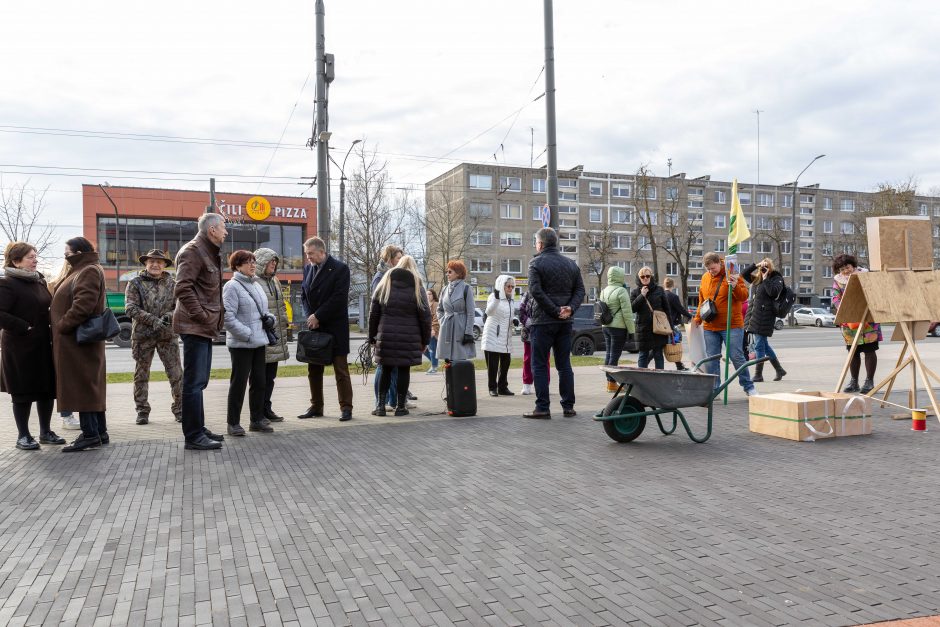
(815, 316)
(934, 329)
(779, 323)
(479, 319)
(588, 336)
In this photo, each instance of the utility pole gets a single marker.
(754, 197)
(321, 132)
(551, 176)
(117, 240)
(211, 207)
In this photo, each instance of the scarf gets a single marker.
(25, 275)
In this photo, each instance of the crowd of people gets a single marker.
(41, 336)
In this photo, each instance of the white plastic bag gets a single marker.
(696, 340)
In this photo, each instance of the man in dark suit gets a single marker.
(325, 301)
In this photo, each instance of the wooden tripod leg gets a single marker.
(897, 369)
(920, 366)
(852, 350)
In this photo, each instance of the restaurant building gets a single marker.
(147, 218)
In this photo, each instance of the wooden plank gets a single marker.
(930, 291)
(903, 296)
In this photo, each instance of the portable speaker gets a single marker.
(460, 383)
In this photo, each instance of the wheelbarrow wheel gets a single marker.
(624, 429)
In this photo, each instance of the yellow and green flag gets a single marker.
(737, 225)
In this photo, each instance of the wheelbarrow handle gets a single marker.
(734, 375)
(706, 360)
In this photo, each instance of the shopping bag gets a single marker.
(696, 341)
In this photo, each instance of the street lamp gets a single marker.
(117, 237)
(342, 200)
(794, 267)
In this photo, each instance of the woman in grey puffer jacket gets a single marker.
(266, 270)
(245, 306)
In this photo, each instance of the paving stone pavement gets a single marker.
(485, 520)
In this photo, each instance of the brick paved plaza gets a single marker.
(485, 520)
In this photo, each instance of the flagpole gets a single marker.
(727, 335)
(737, 233)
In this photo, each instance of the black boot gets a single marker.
(780, 371)
(852, 386)
(758, 373)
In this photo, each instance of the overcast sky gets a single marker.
(431, 84)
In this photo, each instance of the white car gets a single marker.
(478, 324)
(815, 316)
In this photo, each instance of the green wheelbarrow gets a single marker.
(657, 392)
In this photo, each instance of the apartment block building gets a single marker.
(617, 219)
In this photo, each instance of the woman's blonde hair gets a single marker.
(758, 275)
(384, 288)
(64, 272)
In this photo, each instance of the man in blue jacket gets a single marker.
(325, 303)
(557, 291)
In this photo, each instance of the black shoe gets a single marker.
(506, 392)
(27, 443)
(311, 413)
(538, 414)
(202, 443)
(81, 443)
(179, 417)
(781, 373)
(494, 393)
(570, 412)
(262, 425)
(680, 366)
(104, 437)
(401, 411)
(51, 438)
(758, 373)
(379, 411)
(271, 416)
(143, 419)
(410, 396)
(213, 436)
(867, 387)
(852, 386)
(236, 430)
(346, 415)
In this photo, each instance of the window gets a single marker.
(567, 209)
(808, 245)
(745, 198)
(570, 183)
(806, 232)
(786, 271)
(745, 246)
(696, 197)
(720, 221)
(567, 195)
(622, 216)
(538, 186)
(807, 198)
(481, 265)
(936, 231)
(510, 266)
(672, 193)
(806, 256)
(786, 224)
(846, 228)
(786, 200)
(765, 199)
(510, 211)
(595, 215)
(537, 212)
(827, 250)
(765, 223)
(481, 210)
(481, 238)
(785, 248)
(651, 192)
(696, 216)
(936, 211)
(671, 218)
(642, 243)
(847, 204)
(922, 209)
(672, 268)
(765, 247)
(596, 189)
(568, 222)
(719, 245)
(827, 272)
(827, 203)
(806, 267)
(510, 184)
(620, 190)
(642, 217)
(623, 265)
(827, 226)
(481, 181)
(721, 196)
(806, 211)
(622, 242)
(510, 238)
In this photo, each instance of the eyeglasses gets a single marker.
(646, 276)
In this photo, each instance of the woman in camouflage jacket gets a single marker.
(268, 261)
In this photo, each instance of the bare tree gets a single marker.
(777, 231)
(598, 246)
(374, 215)
(681, 238)
(648, 217)
(450, 231)
(21, 213)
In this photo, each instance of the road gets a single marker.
(120, 360)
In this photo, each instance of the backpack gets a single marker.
(602, 314)
(784, 302)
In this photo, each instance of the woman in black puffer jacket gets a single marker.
(647, 297)
(400, 328)
(761, 314)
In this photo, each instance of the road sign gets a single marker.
(546, 215)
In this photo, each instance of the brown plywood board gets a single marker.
(888, 247)
(920, 331)
(902, 296)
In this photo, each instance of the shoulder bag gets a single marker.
(661, 324)
(708, 310)
(99, 327)
(315, 347)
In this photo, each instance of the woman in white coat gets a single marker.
(497, 334)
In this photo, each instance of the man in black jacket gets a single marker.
(557, 291)
(325, 301)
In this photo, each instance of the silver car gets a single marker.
(814, 316)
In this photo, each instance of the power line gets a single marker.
(284, 130)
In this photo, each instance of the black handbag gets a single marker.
(99, 327)
(709, 309)
(268, 321)
(315, 347)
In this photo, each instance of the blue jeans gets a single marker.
(392, 397)
(197, 364)
(556, 338)
(654, 355)
(614, 338)
(714, 340)
(762, 347)
(431, 353)
(92, 423)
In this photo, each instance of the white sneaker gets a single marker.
(71, 422)
(410, 405)
(527, 389)
(432, 371)
(751, 392)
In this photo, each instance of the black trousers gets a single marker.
(497, 370)
(21, 411)
(404, 378)
(270, 374)
(247, 367)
